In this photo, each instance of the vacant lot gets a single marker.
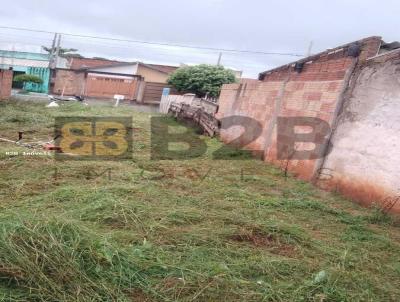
(178, 230)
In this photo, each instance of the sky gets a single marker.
(285, 26)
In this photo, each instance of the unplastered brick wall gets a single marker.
(69, 82)
(5, 83)
(314, 91)
(255, 101)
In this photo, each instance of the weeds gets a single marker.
(178, 230)
(52, 259)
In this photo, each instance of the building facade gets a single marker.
(28, 63)
(101, 78)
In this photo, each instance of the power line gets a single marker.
(154, 43)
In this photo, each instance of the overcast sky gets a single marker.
(285, 26)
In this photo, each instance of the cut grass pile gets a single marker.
(178, 230)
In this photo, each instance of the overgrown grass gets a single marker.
(200, 229)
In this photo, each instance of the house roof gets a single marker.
(24, 55)
(84, 63)
(116, 64)
(166, 68)
(160, 68)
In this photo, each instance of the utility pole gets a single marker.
(57, 51)
(52, 51)
(13, 55)
(219, 59)
(309, 49)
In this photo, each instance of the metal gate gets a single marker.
(153, 92)
(44, 74)
(101, 86)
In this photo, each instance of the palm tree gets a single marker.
(62, 51)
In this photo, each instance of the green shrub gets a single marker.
(28, 78)
(201, 79)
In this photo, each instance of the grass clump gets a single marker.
(192, 228)
(57, 260)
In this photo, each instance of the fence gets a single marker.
(188, 107)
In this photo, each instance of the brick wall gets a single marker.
(70, 81)
(5, 83)
(256, 101)
(315, 92)
(78, 63)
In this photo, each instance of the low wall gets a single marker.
(6, 77)
(189, 107)
(68, 82)
(167, 100)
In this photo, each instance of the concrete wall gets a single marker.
(5, 83)
(364, 162)
(316, 91)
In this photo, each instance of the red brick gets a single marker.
(309, 85)
(69, 82)
(333, 87)
(5, 83)
(312, 96)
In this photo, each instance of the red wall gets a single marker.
(78, 63)
(71, 82)
(5, 83)
(316, 92)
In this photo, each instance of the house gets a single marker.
(96, 84)
(69, 78)
(27, 63)
(154, 78)
(101, 78)
(149, 72)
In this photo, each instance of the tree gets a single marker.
(201, 79)
(62, 51)
(28, 78)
